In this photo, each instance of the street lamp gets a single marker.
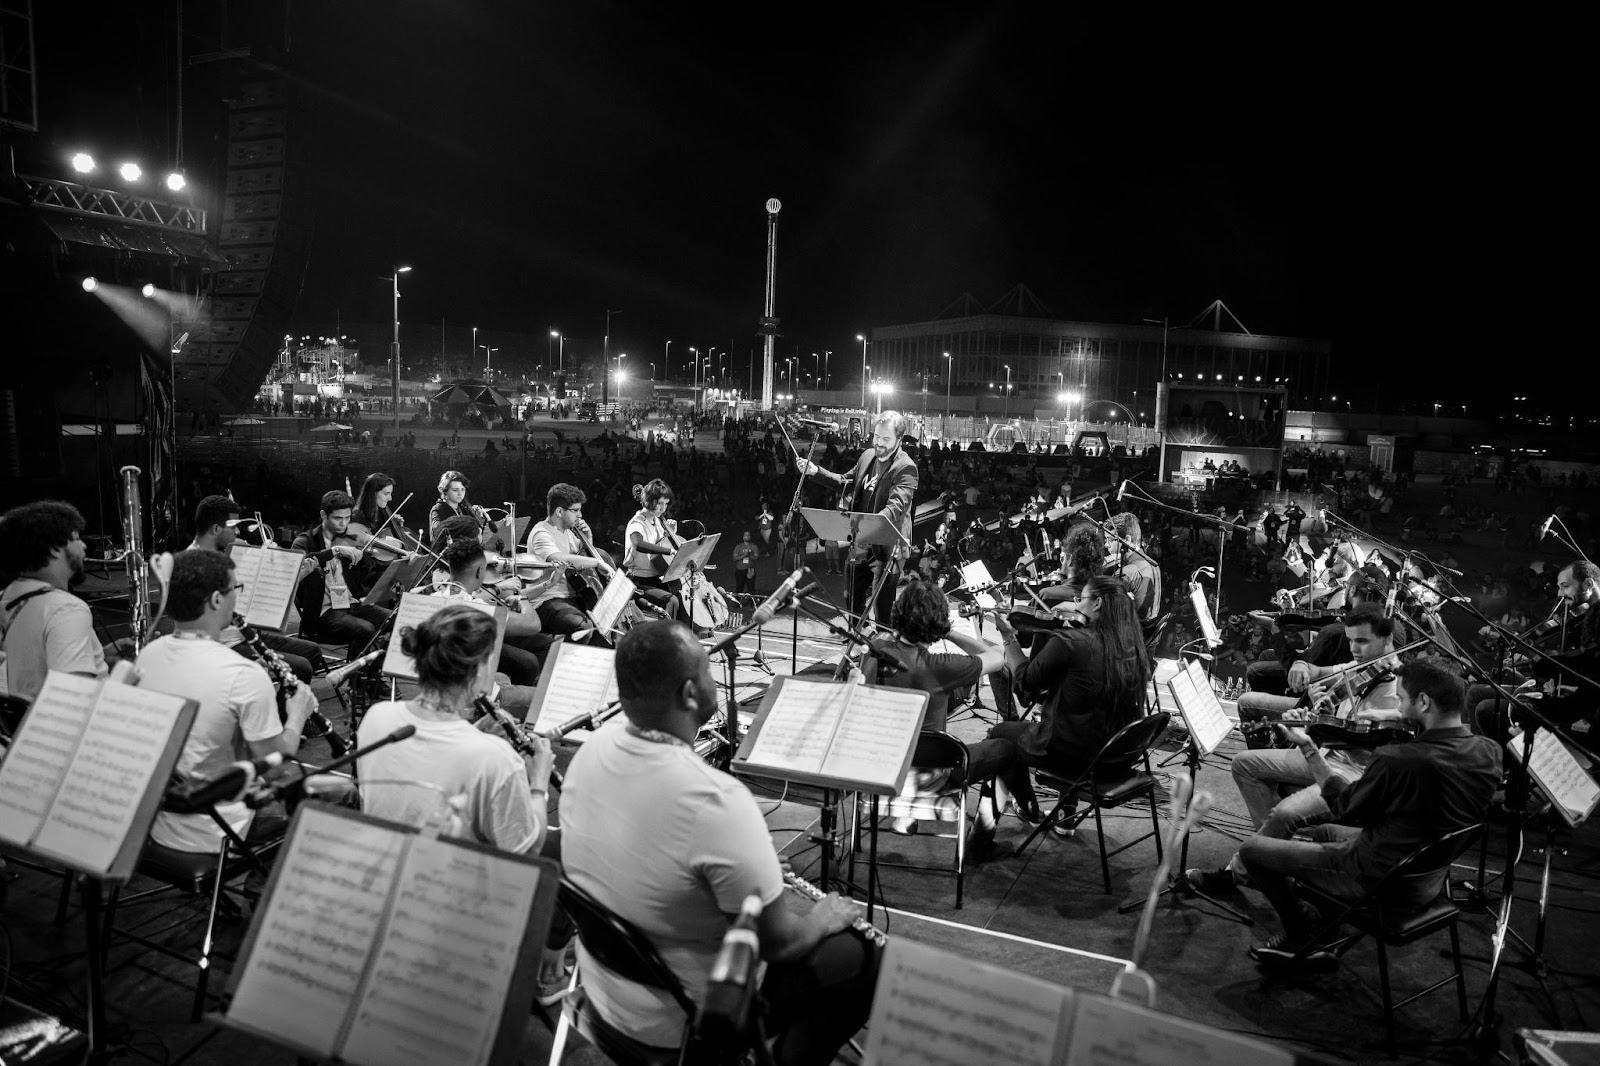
(878, 389)
(394, 349)
(862, 337)
(488, 372)
(1007, 413)
(949, 373)
(666, 365)
(561, 350)
(827, 373)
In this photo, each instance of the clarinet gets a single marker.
(515, 732)
(863, 928)
(286, 684)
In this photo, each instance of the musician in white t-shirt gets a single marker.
(650, 545)
(44, 627)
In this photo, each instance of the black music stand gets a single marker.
(859, 529)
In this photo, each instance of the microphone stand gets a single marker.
(728, 645)
(1224, 527)
(293, 791)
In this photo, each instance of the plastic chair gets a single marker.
(1110, 780)
(934, 751)
(1392, 926)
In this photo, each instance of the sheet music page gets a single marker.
(1202, 611)
(922, 1015)
(100, 794)
(272, 587)
(958, 624)
(415, 609)
(1559, 773)
(619, 590)
(246, 568)
(879, 727)
(976, 573)
(1114, 1032)
(317, 931)
(34, 768)
(577, 679)
(799, 725)
(1207, 721)
(441, 973)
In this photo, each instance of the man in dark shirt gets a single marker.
(1292, 517)
(1412, 794)
(1270, 523)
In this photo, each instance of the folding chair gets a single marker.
(1110, 780)
(1391, 926)
(939, 752)
(191, 873)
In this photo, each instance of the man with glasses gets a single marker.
(238, 715)
(556, 540)
(44, 627)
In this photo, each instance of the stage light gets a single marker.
(148, 291)
(83, 162)
(176, 181)
(130, 172)
(90, 284)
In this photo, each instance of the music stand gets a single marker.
(692, 555)
(858, 529)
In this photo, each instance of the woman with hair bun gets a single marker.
(506, 794)
(651, 545)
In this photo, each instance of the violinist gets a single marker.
(1577, 621)
(372, 516)
(216, 521)
(329, 594)
(1143, 576)
(453, 503)
(651, 544)
(523, 649)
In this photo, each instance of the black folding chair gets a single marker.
(1112, 779)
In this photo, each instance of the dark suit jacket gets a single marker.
(308, 597)
(892, 495)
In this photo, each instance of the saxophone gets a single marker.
(288, 687)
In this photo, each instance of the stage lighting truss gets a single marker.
(109, 203)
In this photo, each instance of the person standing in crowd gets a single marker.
(1271, 522)
(1292, 517)
(44, 627)
(744, 565)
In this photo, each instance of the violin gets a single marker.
(1554, 623)
(383, 548)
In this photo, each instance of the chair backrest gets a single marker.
(1432, 857)
(1130, 742)
(939, 751)
(618, 944)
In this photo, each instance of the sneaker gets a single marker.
(1294, 951)
(1211, 882)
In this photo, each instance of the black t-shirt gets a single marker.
(1069, 674)
(912, 666)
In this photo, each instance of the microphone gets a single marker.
(1544, 530)
(1122, 491)
(730, 987)
(339, 676)
(193, 797)
(294, 788)
(775, 602)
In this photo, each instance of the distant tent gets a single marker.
(487, 396)
(455, 394)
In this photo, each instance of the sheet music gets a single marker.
(799, 725)
(878, 729)
(1198, 704)
(33, 770)
(577, 679)
(109, 775)
(1202, 611)
(415, 609)
(976, 573)
(619, 591)
(922, 1015)
(312, 943)
(439, 979)
(269, 576)
(1114, 1032)
(1560, 775)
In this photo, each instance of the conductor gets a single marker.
(884, 480)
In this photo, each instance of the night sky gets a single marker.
(1339, 171)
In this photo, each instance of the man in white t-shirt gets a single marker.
(675, 846)
(238, 715)
(44, 627)
(562, 605)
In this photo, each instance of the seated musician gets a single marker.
(674, 846)
(1142, 576)
(1578, 586)
(562, 601)
(238, 715)
(329, 594)
(649, 545)
(505, 793)
(1411, 794)
(44, 627)
(453, 503)
(523, 650)
(1090, 681)
(372, 513)
(1262, 776)
(1083, 551)
(215, 522)
(921, 617)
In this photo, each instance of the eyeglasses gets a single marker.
(238, 586)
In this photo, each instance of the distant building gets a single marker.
(1095, 361)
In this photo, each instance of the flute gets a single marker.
(860, 925)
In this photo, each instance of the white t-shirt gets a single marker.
(237, 705)
(456, 759)
(671, 845)
(51, 631)
(638, 563)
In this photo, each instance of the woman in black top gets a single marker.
(452, 503)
